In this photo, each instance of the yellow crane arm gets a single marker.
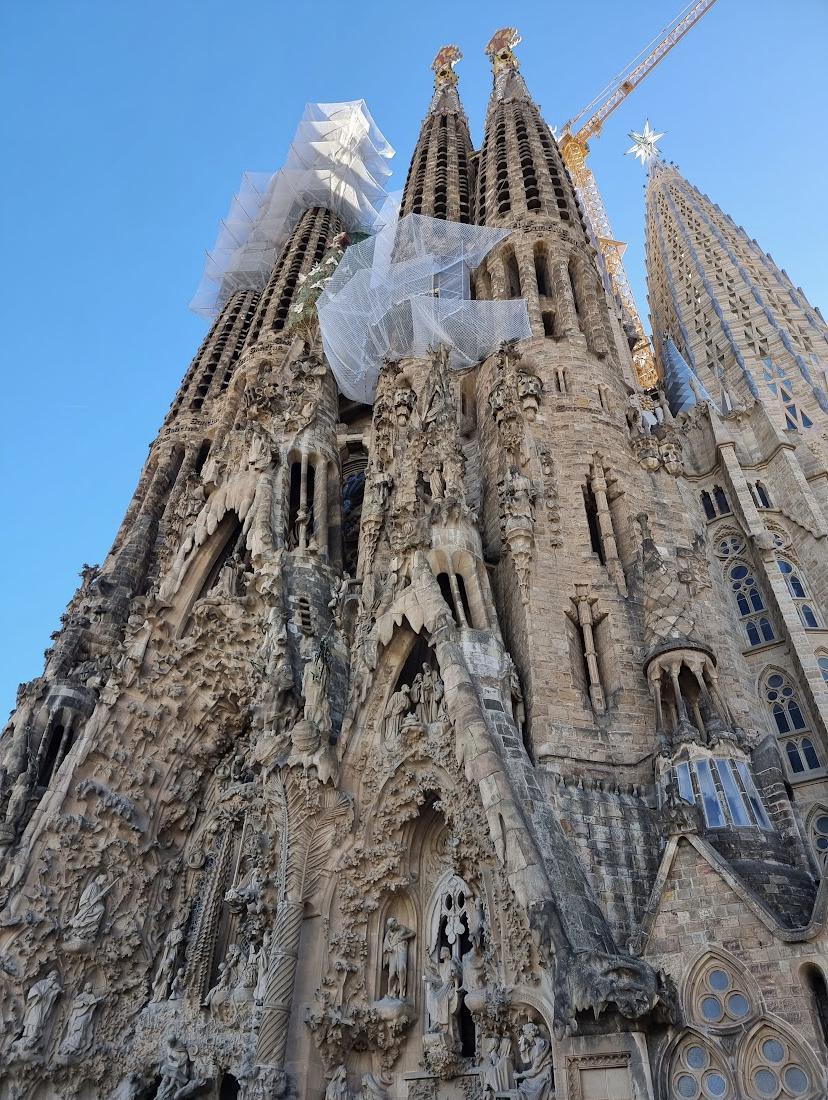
(620, 87)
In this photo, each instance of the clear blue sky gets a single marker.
(126, 127)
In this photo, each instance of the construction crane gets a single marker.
(574, 148)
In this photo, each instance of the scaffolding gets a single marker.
(406, 290)
(338, 159)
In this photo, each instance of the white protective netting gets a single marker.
(406, 290)
(338, 159)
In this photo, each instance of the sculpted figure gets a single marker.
(177, 1080)
(16, 806)
(536, 1081)
(338, 1085)
(443, 998)
(398, 706)
(395, 956)
(221, 991)
(76, 1036)
(315, 693)
(40, 1002)
(437, 483)
(497, 1073)
(91, 908)
(169, 962)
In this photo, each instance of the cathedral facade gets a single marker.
(466, 743)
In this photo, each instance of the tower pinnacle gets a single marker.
(501, 47)
(443, 66)
(643, 146)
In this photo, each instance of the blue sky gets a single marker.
(127, 126)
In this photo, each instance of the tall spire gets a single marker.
(439, 177)
(520, 168)
(745, 330)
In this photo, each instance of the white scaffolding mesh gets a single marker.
(338, 159)
(405, 290)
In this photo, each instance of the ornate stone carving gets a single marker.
(517, 524)
(77, 1035)
(40, 1003)
(395, 957)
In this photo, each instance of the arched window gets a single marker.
(697, 1071)
(749, 603)
(774, 1068)
(512, 275)
(819, 835)
(730, 546)
(799, 594)
(815, 984)
(722, 503)
(823, 667)
(791, 725)
(715, 504)
(761, 495)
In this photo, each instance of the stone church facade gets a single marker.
(468, 744)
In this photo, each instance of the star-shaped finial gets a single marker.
(644, 143)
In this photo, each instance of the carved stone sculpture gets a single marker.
(395, 956)
(77, 1035)
(178, 1080)
(536, 1081)
(497, 1073)
(337, 1088)
(85, 924)
(40, 1002)
(168, 965)
(443, 999)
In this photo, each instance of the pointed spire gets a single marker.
(439, 182)
(682, 387)
(500, 49)
(443, 67)
(520, 170)
(508, 82)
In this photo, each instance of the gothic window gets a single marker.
(776, 1069)
(760, 495)
(454, 925)
(730, 546)
(697, 1072)
(799, 594)
(353, 491)
(815, 984)
(725, 790)
(715, 503)
(750, 605)
(781, 387)
(823, 667)
(721, 501)
(791, 726)
(541, 277)
(55, 744)
(819, 835)
(201, 457)
(719, 996)
(591, 509)
(512, 275)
